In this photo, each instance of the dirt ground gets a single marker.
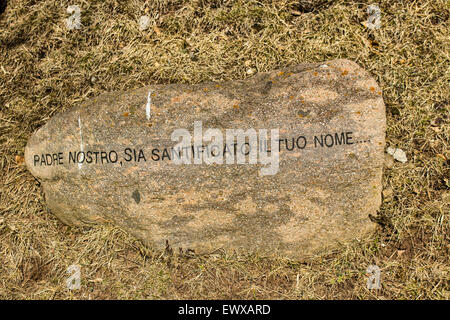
(46, 68)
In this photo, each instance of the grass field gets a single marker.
(45, 68)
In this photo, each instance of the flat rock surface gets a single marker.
(111, 160)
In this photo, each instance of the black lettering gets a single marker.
(141, 156)
(337, 140)
(128, 156)
(348, 137)
(212, 151)
(112, 152)
(78, 157)
(331, 142)
(89, 157)
(165, 154)
(286, 143)
(301, 145)
(72, 157)
(279, 144)
(155, 156)
(104, 156)
(242, 149)
(47, 157)
(96, 156)
(316, 140)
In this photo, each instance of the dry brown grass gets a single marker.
(46, 68)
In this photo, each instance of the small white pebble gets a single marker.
(398, 154)
(323, 66)
(250, 71)
(144, 23)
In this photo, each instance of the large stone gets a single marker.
(111, 160)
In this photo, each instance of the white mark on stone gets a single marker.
(323, 66)
(147, 107)
(80, 164)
